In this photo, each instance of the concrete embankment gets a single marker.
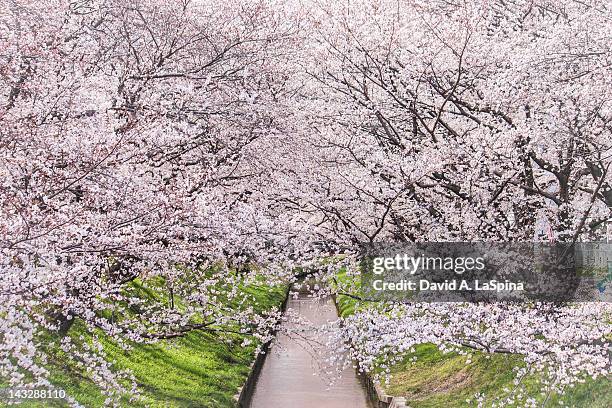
(294, 371)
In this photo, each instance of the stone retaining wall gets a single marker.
(376, 394)
(245, 393)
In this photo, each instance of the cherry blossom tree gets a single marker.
(129, 133)
(464, 121)
(206, 144)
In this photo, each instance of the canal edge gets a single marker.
(375, 392)
(245, 393)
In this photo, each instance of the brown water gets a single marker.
(287, 380)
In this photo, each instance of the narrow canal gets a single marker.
(293, 374)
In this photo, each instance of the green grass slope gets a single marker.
(198, 370)
(446, 380)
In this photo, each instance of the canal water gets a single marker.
(294, 372)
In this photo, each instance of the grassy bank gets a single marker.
(200, 369)
(438, 379)
(450, 380)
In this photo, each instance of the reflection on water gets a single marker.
(287, 380)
